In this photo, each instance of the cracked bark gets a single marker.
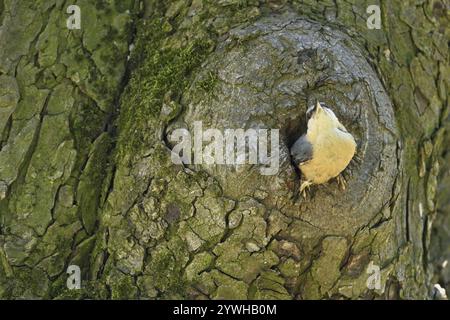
(82, 184)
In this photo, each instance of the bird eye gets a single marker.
(309, 112)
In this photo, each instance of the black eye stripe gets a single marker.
(313, 108)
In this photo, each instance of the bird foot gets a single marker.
(357, 159)
(304, 186)
(341, 181)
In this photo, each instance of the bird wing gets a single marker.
(302, 150)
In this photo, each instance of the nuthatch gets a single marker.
(325, 150)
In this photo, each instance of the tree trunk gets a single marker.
(87, 179)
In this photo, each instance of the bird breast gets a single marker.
(332, 152)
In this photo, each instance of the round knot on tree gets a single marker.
(266, 76)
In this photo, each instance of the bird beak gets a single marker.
(314, 110)
(318, 106)
(318, 109)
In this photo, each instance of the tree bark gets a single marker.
(86, 176)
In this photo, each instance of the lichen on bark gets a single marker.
(56, 104)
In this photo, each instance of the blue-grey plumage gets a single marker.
(326, 148)
(302, 150)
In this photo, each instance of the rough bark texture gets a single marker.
(86, 176)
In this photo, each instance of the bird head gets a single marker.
(322, 118)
